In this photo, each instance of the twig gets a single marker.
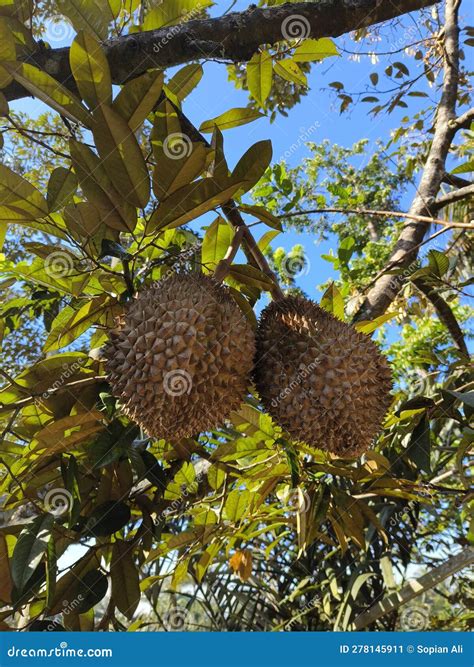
(386, 214)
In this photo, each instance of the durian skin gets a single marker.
(181, 358)
(321, 380)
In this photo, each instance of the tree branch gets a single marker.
(455, 181)
(464, 121)
(384, 214)
(415, 587)
(234, 37)
(452, 197)
(445, 314)
(405, 252)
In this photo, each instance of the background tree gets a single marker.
(114, 189)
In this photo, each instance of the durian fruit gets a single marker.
(181, 357)
(322, 381)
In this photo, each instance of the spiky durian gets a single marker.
(321, 380)
(181, 356)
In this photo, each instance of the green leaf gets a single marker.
(266, 239)
(19, 196)
(185, 80)
(93, 17)
(69, 324)
(121, 155)
(125, 579)
(333, 302)
(138, 98)
(231, 118)
(346, 249)
(170, 12)
(90, 590)
(259, 76)
(62, 186)
(49, 91)
(29, 549)
(236, 505)
(464, 168)
(368, 326)
(438, 262)
(252, 165)
(264, 215)
(107, 518)
(7, 43)
(315, 49)
(419, 449)
(96, 185)
(90, 69)
(177, 166)
(249, 275)
(290, 71)
(51, 571)
(215, 243)
(190, 202)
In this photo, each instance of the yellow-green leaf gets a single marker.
(94, 17)
(263, 214)
(90, 70)
(177, 165)
(231, 118)
(20, 196)
(290, 71)
(62, 186)
(259, 76)
(97, 187)
(368, 326)
(315, 49)
(69, 324)
(125, 579)
(121, 155)
(236, 505)
(185, 80)
(49, 91)
(215, 243)
(252, 165)
(170, 12)
(7, 43)
(138, 97)
(266, 239)
(249, 275)
(190, 202)
(333, 302)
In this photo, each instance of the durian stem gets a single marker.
(232, 214)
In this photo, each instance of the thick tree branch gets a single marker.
(455, 181)
(445, 314)
(234, 37)
(415, 587)
(452, 197)
(464, 121)
(382, 293)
